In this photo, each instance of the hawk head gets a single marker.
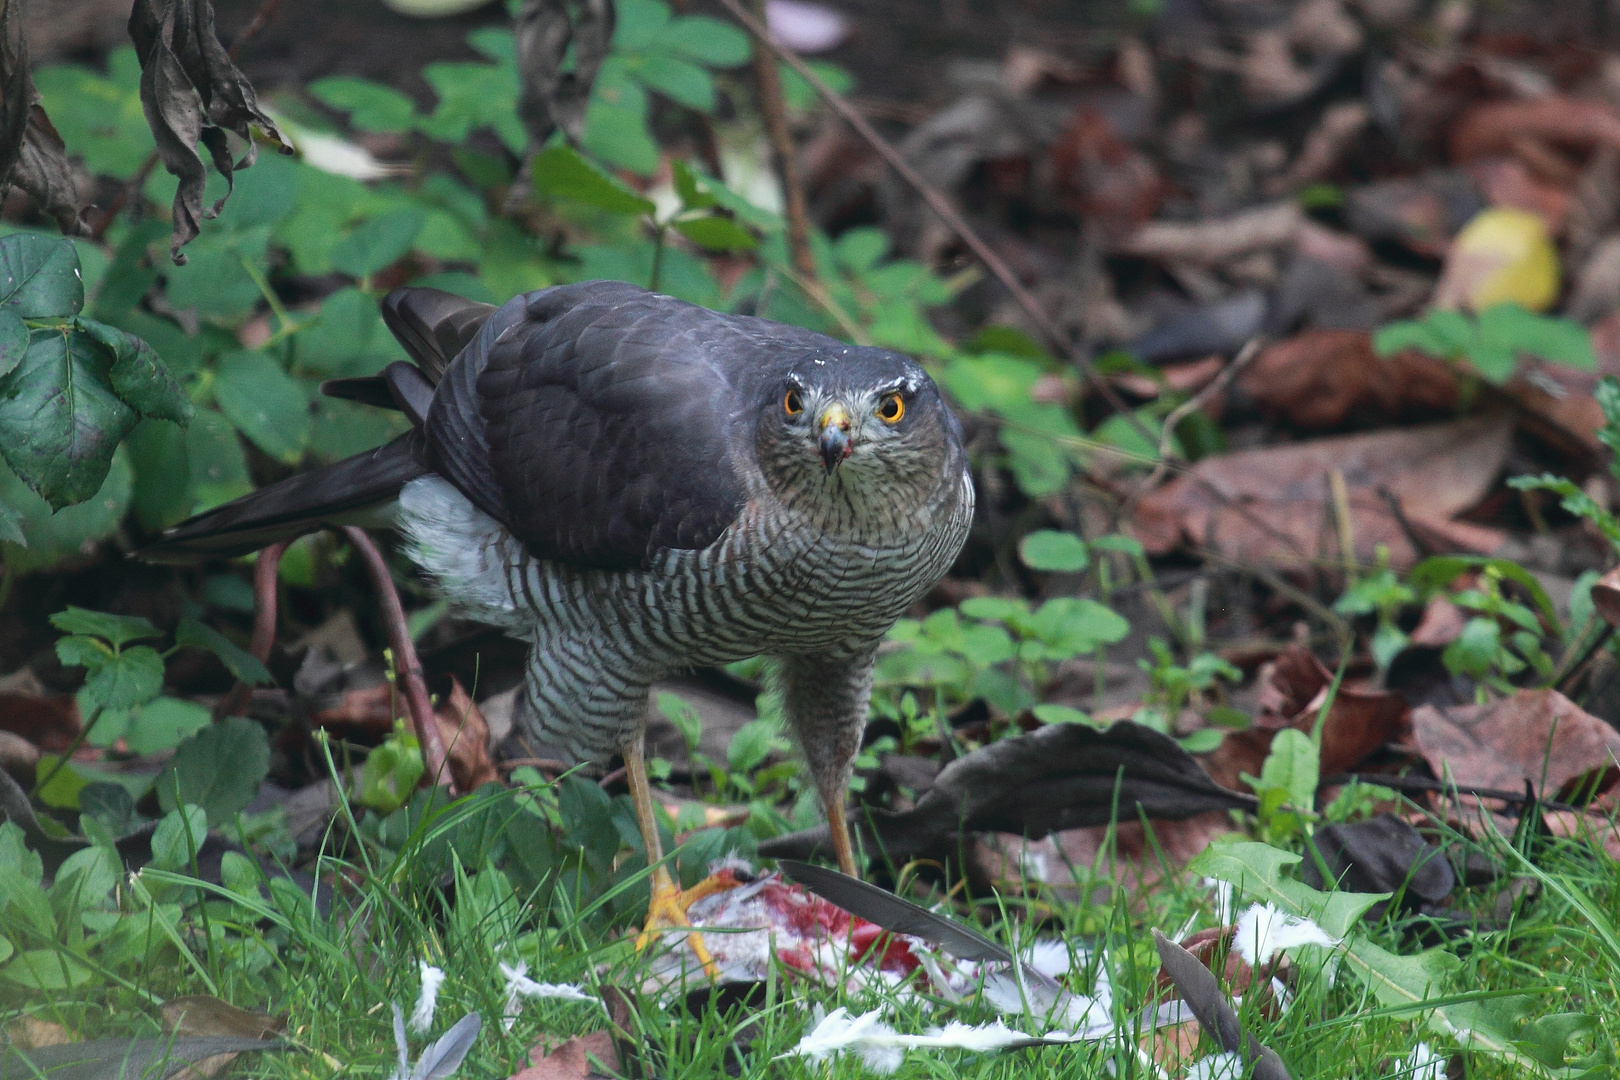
(857, 424)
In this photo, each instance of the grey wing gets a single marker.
(600, 428)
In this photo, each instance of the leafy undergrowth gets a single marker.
(1522, 966)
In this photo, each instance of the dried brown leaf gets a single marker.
(547, 32)
(31, 152)
(1328, 379)
(574, 1059)
(1495, 127)
(1277, 500)
(192, 92)
(466, 739)
(1292, 691)
(1538, 737)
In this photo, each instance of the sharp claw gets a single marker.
(667, 910)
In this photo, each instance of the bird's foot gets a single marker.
(667, 911)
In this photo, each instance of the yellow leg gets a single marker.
(842, 848)
(668, 907)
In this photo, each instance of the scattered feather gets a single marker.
(1423, 1064)
(805, 27)
(865, 1035)
(440, 1059)
(520, 986)
(1263, 931)
(428, 1000)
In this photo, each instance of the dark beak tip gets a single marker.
(834, 447)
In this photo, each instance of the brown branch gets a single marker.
(774, 109)
(407, 668)
(264, 624)
(941, 205)
(266, 12)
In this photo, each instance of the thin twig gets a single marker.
(1564, 680)
(1423, 783)
(266, 12)
(408, 669)
(1337, 623)
(1216, 387)
(264, 624)
(941, 205)
(774, 110)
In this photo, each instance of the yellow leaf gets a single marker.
(1501, 255)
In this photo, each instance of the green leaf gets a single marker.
(60, 422)
(46, 969)
(1038, 464)
(371, 106)
(860, 249)
(1438, 571)
(52, 537)
(13, 340)
(685, 718)
(391, 773)
(561, 172)
(750, 745)
(131, 678)
(1512, 328)
(219, 769)
(65, 783)
(242, 664)
(265, 403)
(693, 195)
(1061, 714)
(715, 233)
(1493, 361)
(219, 470)
(616, 130)
(1292, 765)
(162, 724)
(706, 41)
(11, 526)
(181, 833)
(378, 243)
(1048, 549)
(1070, 626)
(641, 24)
(1475, 650)
(138, 376)
(39, 276)
(97, 870)
(116, 629)
(682, 82)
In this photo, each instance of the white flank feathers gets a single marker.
(865, 1035)
(1423, 1064)
(1263, 931)
(520, 986)
(428, 1000)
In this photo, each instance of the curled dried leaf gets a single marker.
(192, 92)
(560, 47)
(31, 152)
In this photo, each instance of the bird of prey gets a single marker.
(635, 485)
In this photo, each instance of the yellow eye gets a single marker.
(891, 408)
(793, 405)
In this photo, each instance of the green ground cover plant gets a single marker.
(195, 381)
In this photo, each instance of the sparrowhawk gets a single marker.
(634, 486)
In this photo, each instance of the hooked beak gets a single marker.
(834, 426)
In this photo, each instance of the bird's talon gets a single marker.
(667, 911)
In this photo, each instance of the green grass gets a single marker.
(336, 973)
